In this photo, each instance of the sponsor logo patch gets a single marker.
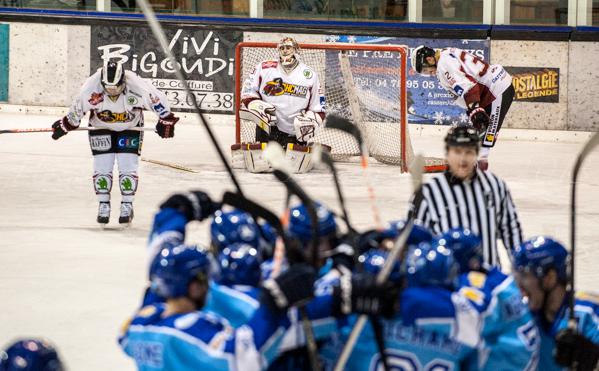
(308, 74)
(278, 87)
(96, 98)
(128, 142)
(100, 142)
(458, 90)
(131, 100)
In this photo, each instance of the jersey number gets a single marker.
(475, 61)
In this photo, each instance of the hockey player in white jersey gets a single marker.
(484, 90)
(115, 99)
(283, 98)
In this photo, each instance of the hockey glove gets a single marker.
(575, 351)
(291, 288)
(359, 293)
(306, 124)
(166, 126)
(480, 120)
(61, 128)
(196, 205)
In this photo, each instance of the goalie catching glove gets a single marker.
(166, 126)
(306, 124)
(479, 118)
(260, 113)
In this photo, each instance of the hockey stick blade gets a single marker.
(588, 147)
(339, 123)
(161, 37)
(396, 251)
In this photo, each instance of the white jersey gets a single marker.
(123, 113)
(470, 79)
(289, 93)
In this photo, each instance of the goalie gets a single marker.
(283, 98)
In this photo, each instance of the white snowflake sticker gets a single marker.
(438, 117)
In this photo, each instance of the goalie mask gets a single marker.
(288, 52)
(113, 77)
(420, 59)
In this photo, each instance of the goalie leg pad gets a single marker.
(253, 155)
(300, 157)
(237, 159)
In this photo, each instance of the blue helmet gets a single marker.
(30, 355)
(417, 234)
(174, 268)
(300, 224)
(539, 254)
(372, 262)
(233, 226)
(239, 265)
(428, 265)
(465, 245)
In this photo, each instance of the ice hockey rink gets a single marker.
(64, 278)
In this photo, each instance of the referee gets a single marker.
(467, 197)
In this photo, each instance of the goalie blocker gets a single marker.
(250, 156)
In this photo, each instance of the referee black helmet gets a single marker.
(462, 136)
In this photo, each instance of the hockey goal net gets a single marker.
(364, 83)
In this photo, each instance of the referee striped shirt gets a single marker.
(482, 204)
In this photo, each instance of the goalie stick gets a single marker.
(160, 36)
(46, 130)
(416, 170)
(339, 123)
(588, 147)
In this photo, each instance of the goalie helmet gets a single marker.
(113, 77)
(419, 56)
(288, 52)
(30, 355)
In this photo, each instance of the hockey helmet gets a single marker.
(419, 58)
(174, 268)
(113, 77)
(228, 227)
(429, 265)
(30, 355)
(373, 260)
(239, 265)
(462, 136)
(466, 247)
(288, 51)
(300, 224)
(540, 254)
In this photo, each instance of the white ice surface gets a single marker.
(64, 278)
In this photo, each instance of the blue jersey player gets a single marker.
(178, 334)
(541, 273)
(510, 335)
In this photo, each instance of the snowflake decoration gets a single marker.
(454, 123)
(351, 39)
(438, 117)
(464, 42)
(464, 118)
(332, 38)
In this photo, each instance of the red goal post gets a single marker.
(389, 140)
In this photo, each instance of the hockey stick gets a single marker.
(167, 164)
(49, 130)
(339, 123)
(416, 170)
(160, 36)
(588, 147)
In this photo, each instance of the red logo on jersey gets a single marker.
(96, 98)
(270, 64)
(278, 87)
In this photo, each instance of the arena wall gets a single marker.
(49, 61)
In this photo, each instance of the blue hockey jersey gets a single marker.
(586, 311)
(511, 339)
(200, 340)
(235, 303)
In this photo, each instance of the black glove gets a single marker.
(480, 120)
(166, 126)
(61, 128)
(291, 288)
(196, 205)
(360, 294)
(574, 351)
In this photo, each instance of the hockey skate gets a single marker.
(126, 213)
(103, 213)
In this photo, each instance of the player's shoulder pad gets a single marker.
(269, 64)
(207, 326)
(149, 314)
(426, 302)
